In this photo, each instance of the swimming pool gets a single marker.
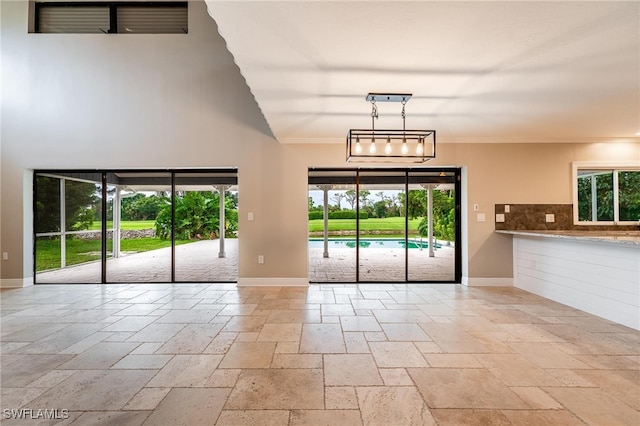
(387, 243)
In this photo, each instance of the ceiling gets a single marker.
(502, 71)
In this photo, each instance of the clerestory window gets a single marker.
(157, 17)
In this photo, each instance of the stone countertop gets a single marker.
(617, 237)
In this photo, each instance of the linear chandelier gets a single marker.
(397, 145)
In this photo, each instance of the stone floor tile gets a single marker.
(464, 388)
(147, 399)
(397, 354)
(359, 323)
(115, 418)
(253, 418)
(325, 417)
(536, 398)
(284, 360)
(278, 389)
(280, 332)
(393, 406)
(340, 397)
(192, 339)
(189, 407)
(186, 371)
(226, 378)
(452, 360)
(249, 355)
(322, 338)
(100, 356)
(621, 384)
(471, 417)
(142, 362)
(395, 377)
(405, 333)
(351, 370)
(94, 390)
(542, 417)
(20, 370)
(594, 406)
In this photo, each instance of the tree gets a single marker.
(338, 197)
(142, 207)
(364, 198)
(350, 196)
(197, 216)
(80, 198)
(444, 216)
(417, 206)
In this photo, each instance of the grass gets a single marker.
(366, 226)
(81, 251)
(126, 225)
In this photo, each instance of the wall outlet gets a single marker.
(261, 259)
(499, 217)
(250, 216)
(507, 208)
(5, 255)
(550, 217)
(480, 217)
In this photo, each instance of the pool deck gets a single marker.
(199, 262)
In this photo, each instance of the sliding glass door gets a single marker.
(382, 229)
(405, 225)
(135, 226)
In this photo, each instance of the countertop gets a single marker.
(617, 237)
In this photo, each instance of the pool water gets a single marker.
(370, 243)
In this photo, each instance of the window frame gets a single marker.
(615, 167)
(113, 11)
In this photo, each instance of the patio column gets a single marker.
(117, 202)
(221, 223)
(325, 235)
(429, 189)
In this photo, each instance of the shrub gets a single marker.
(341, 214)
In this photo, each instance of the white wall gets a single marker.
(154, 101)
(597, 277)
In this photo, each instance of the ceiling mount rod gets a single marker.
(389, 97)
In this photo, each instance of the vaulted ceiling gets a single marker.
(558, 71)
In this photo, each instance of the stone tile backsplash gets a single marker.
(532, 217)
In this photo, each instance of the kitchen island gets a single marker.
(597, 272)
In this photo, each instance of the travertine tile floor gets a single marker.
(384, 354)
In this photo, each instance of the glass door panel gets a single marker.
(432, 226)
(332, 237)
(382, 226)
(68, 237)
(206, 237)
(141, 227)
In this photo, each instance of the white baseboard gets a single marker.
(16, 282)
(273, 282)
(487, 282)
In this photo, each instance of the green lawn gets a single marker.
(126, 224)
(81, 251)
(366, 225)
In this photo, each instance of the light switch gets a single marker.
(476, 207)
(550, 217)
(250, 216)
(5, 255)
(480, 217)
(507, 208)
(499, 217)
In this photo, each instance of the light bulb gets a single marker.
(358, 148)
(419, 149)
(372, 147)
(405, 148)
(387, 147)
